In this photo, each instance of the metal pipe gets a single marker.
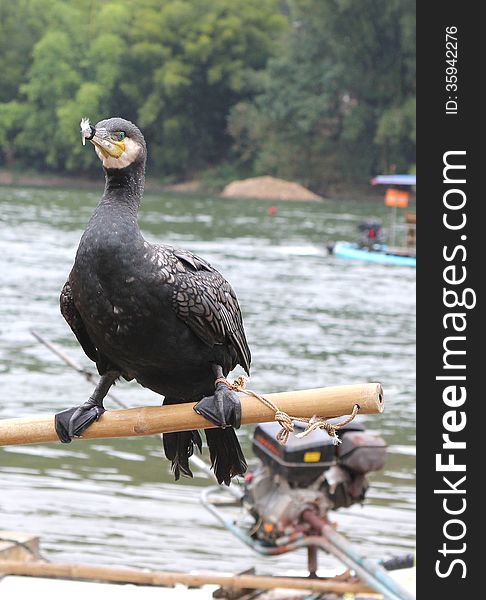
(365, 569)
(329, 541)
(242, 535)
(312, 561)
(370, 571)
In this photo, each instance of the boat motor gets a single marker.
(307, 473)
(288, 494)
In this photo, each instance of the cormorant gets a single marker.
(154, 313)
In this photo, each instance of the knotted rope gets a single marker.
(285, 420)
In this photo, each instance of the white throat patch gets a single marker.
(131, 153)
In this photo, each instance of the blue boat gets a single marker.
(371, 248)
(377, 254)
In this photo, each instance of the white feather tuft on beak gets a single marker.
(85, 130)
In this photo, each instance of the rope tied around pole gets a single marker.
(285, 420)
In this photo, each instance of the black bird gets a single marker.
(154, 313)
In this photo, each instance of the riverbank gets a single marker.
(34, 179)
(42, 180)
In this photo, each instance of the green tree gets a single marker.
(200, 56)
(323, 94)
(22, 23)
(175, 67)
(339, 104)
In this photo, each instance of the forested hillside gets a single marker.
(320, 91)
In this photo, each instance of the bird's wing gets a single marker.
(206, 302)
(74, 320)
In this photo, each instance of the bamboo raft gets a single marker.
(82, 572)
(327, 402)
(20, 556)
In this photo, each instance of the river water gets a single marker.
(311, 320)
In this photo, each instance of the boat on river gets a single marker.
(377, 253)
(371, 247)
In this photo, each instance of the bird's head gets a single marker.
(118, 142)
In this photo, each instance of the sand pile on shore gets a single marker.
(269, 188)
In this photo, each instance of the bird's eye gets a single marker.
(121, 136)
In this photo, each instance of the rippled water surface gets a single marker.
(311, 320)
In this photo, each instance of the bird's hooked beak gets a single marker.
(105, 142)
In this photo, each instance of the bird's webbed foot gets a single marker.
(72, 422)
(223, 408)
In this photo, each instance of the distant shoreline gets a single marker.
(43, 180)
(13, 178)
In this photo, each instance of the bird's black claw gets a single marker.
(72, 422)
(61, 424)
(223, 409)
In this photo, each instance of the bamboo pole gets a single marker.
(170, 578)
(149, 420)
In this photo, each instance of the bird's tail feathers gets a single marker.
(178, 447)
(227, 458)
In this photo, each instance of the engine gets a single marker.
(308, 473)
